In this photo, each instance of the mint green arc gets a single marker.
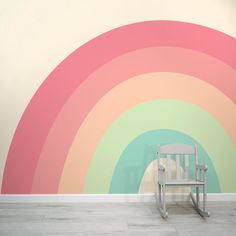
(162, 114)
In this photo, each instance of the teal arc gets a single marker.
(138, 154)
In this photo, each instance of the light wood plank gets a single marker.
(119, 219)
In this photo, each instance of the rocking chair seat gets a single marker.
(184, 183)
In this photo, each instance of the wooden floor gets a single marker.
(115, 219)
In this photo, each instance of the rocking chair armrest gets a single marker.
(161, 168)
(201, 171)
(202, 167)
(161, 174)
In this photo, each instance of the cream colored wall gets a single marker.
(35, 36)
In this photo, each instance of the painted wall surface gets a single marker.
(89, 88)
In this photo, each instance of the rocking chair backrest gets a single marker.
(177, 151)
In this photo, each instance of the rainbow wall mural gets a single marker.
(93, 125)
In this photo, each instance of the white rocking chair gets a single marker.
(178, 151)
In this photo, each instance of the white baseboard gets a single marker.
(80, 198)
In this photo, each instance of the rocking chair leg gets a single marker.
(159, 186)
(164, 197)
(201, 212)
(164, 213)
(197, 196)
(162, 201)
(204, 197)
